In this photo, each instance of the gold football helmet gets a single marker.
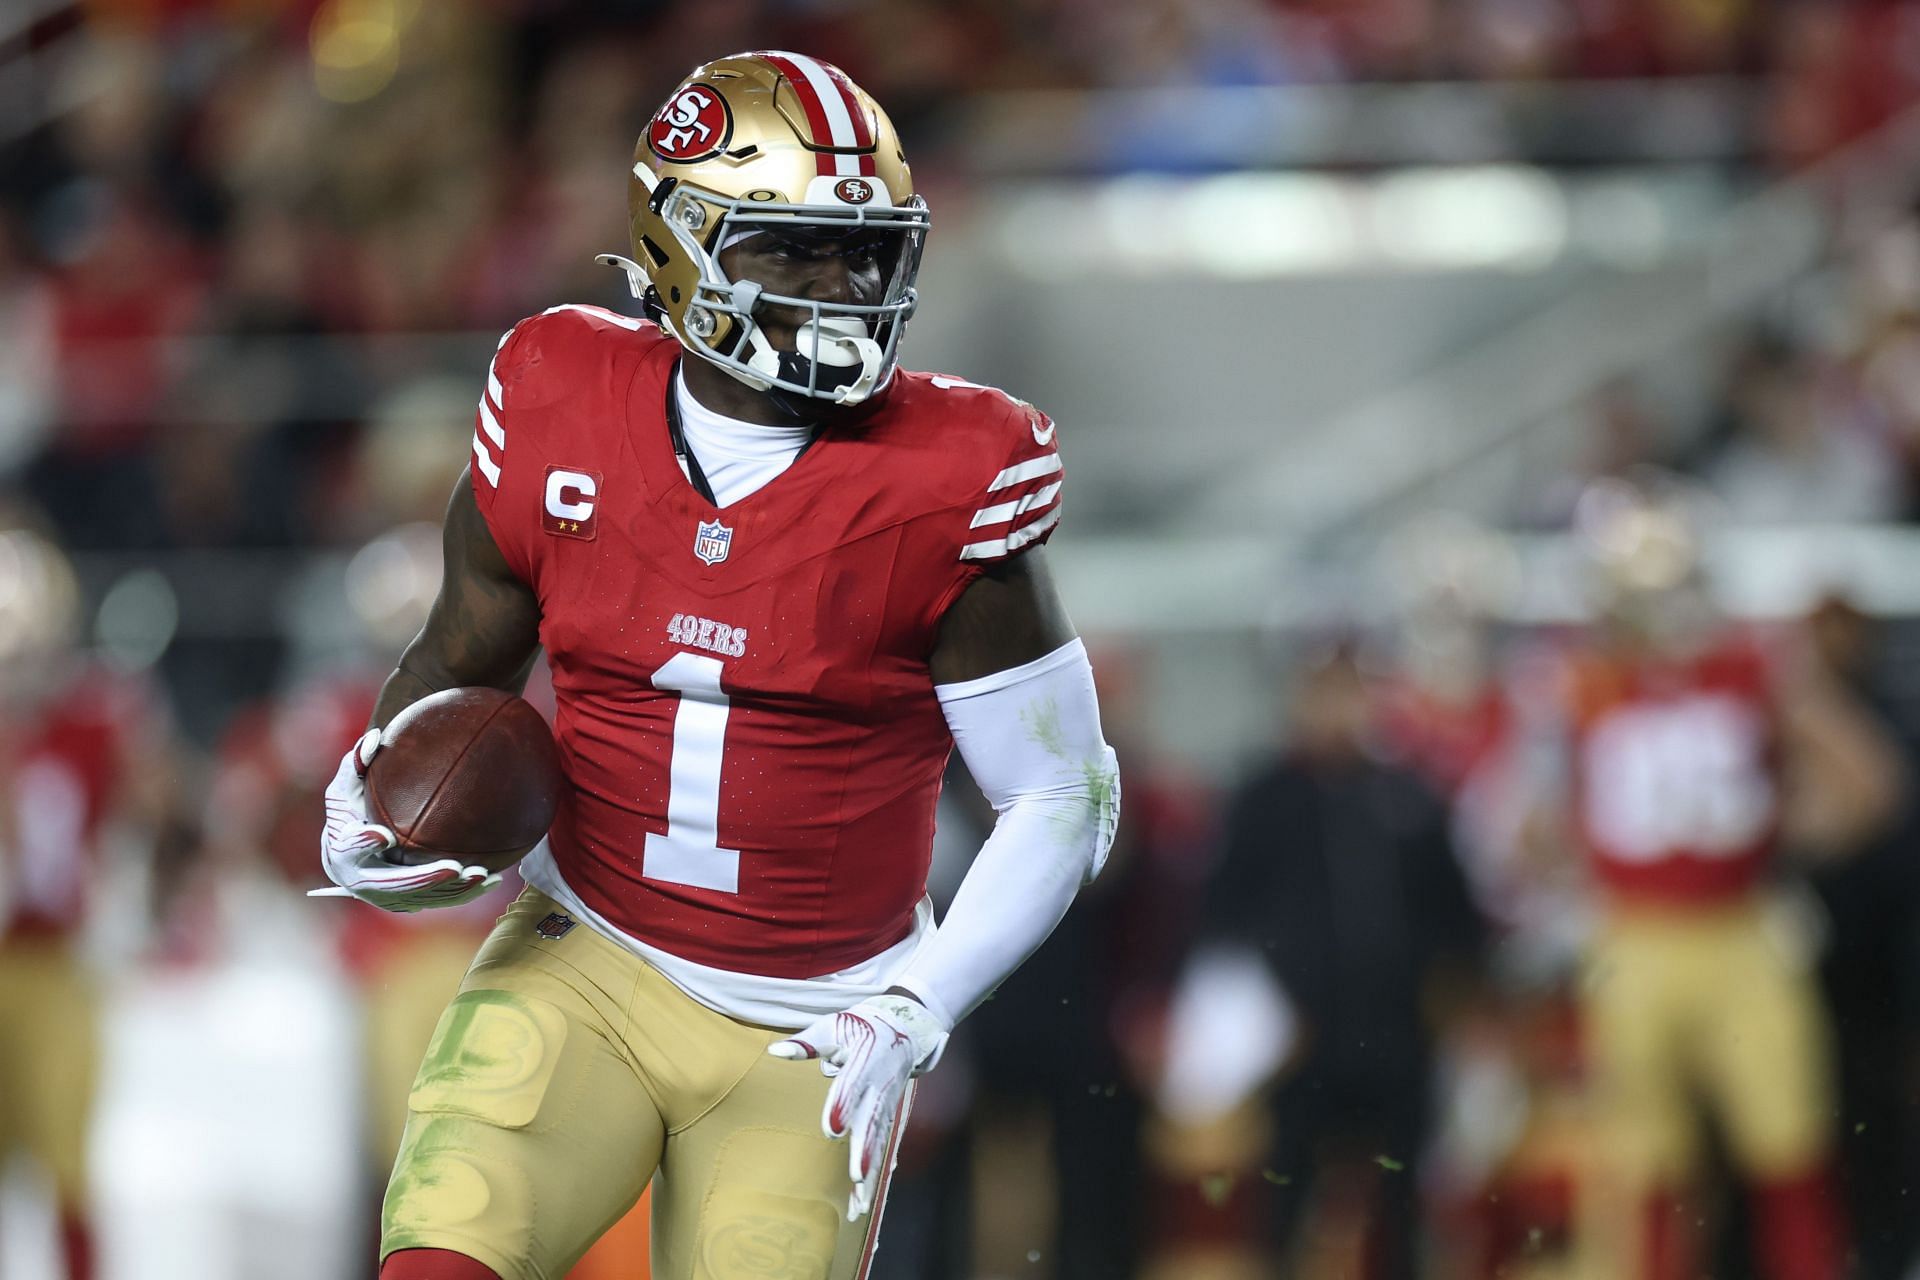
(762, 141)
(1638, 532)
(39, 612)
(1641, 536)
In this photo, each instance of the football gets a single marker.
(471, 774)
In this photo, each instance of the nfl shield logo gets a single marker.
(711, 541)
(557, 925)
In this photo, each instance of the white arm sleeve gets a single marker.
(1030, 736)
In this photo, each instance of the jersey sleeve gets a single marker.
(502, 462)
(1016, 505)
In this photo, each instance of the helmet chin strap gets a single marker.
(636, 278)
(839, 343)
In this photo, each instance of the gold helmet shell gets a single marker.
(1643, 538)
(748, 142)
(1639, 532)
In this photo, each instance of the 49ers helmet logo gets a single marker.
(695, 124)
(854, 190)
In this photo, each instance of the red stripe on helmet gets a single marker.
(862, 135)
(809, 103)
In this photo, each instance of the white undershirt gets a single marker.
(737, 458)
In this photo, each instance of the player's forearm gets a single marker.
(1019, 888)
(402, 689)
(1839, 803)
(1844, 778)
(1031, 738)
(422, 673)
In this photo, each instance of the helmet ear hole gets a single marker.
(654, 252)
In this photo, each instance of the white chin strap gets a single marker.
(636, 278)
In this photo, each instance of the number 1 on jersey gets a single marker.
(690, 853)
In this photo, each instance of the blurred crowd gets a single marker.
(244, 248)
(1807, 413)
(1584, 950)
(1357, 1010)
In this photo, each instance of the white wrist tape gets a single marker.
(1030, 736)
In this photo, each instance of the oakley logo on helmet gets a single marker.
(694, 124)
(854, 190)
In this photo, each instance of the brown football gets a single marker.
(466, 773)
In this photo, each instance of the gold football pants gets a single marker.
(567, 1074)
(1708, 1010)
(48, 1059)
(403, 1003)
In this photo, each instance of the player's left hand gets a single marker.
(870, 1052)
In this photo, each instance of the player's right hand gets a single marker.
(353, 850)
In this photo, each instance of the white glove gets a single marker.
(870, 1052)
(353, 850)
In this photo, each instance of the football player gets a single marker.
(778, 579)
(78, 744)
(1695, 754)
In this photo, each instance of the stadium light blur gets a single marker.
(1263, 225)
(355, 46)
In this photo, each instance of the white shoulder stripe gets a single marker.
(488, 467)
(494, 390)
(491, 425)
(1012, 542)
(1045, 465)
(1005, 511)
(612, 317)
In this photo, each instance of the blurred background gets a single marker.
(1494, 429)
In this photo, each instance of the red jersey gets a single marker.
(1677, 788)
(61, 774)
(743, 703)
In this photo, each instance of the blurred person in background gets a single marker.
(1509, 1132)
(1871, 966)
(1442, 706)
(27, 383)
(1680, 756)
(83, 765)
(1337, 871)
